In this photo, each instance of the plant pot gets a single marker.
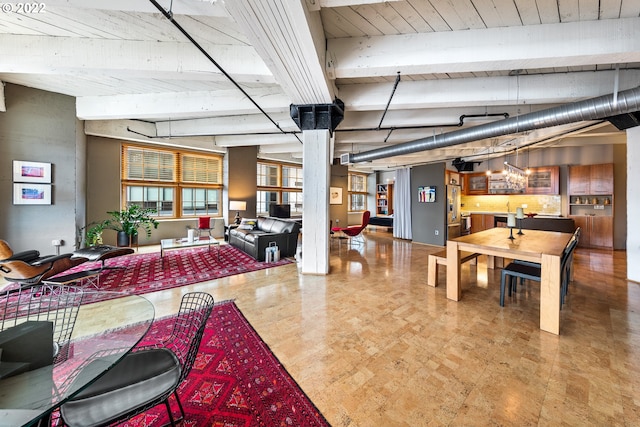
(124, 240)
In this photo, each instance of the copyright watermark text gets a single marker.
(29, 7)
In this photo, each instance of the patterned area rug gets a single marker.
(143, 273)
(236, 381)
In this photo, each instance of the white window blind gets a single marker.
(203, 170)
(149, 165)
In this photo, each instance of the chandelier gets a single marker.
(515, 178)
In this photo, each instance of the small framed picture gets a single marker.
(427, 194)
(31, 172)
(335, 195)
(31, 194)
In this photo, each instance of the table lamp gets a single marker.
(236, 205)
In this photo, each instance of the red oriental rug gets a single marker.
(143, 273)
(236, 380)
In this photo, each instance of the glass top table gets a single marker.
(104, 331)
(182, 243)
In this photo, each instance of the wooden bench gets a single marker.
(440, 258)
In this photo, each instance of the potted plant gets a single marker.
(128, 221)
(93, 235)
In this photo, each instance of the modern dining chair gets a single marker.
(146, 377)
(532, 271)
(58, 304)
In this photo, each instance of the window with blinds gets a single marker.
(200, 169)
(278, 183)
(149, 165)
(268, 175)
(357, 192)
(174, 183)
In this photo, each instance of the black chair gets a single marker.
(147, 376)
(532, 271)
(576, 237)
(57, 304)
(28, 268)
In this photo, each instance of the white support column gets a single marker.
(633, 204)
(315, 199)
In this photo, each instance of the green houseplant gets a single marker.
(128, 221)
(93, 233)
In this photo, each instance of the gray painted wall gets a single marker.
(338, 213)
(426, 218)
(42, 127)
(241, 169)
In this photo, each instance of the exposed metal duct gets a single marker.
(598, 108)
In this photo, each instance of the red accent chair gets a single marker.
(354, 232)
(204, 224)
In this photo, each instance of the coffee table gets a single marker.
(181, 243)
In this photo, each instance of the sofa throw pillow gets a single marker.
(248, 224)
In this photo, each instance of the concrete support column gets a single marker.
(633, 204)
(316, 174)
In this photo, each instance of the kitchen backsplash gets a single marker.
(540, 204)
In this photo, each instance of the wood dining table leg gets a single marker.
(454, 290)
(550, 294)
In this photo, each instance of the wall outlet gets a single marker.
(56, 243)
(337, 221)
(525, 206)
(437, 232)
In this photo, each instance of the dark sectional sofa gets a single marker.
(283, 232)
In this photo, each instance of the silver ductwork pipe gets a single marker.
(591, 109)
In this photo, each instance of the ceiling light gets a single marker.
(515, 178)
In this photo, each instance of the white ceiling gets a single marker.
(224, 73)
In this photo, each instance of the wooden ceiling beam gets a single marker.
(129, 59)
(609, 41)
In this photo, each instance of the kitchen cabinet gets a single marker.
(601, 179)
(454, 178)
(590, 194)
(591, 179)
(384, 199)
(497, 184)
(476, 183)
(597, 231)
(480, 222)
(543, 180)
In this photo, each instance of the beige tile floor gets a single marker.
(373, 345)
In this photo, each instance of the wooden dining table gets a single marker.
(544, 247)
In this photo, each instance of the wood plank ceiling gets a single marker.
(126, 62)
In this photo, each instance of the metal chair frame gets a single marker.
(58, 304)
(183, 343)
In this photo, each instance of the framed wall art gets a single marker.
(31, 194)
(427, 194)
(31, 172)
(335, 195)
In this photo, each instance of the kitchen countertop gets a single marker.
(505, 214)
